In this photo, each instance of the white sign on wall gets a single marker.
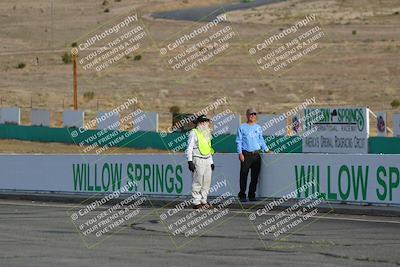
(10, 116)
(225, 123)
(272, 125)
(146, 121)
(335, 130)
(396, 125)
(40, 117)
(73, 118)
(107, 120)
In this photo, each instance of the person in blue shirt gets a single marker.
(250, 142)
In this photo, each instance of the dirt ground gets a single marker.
(22, 147)
(357, 67)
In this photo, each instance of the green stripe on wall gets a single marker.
(384, 145)
(172, 141)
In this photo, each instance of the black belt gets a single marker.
(251, 153)
(200, 157)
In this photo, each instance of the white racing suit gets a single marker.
(202, 174)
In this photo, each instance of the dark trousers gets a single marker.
(251, 162)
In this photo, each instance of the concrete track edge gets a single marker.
(168, 202)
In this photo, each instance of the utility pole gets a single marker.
(74, 53)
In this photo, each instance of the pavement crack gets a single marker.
(361, 259)
(245, 249)
(142, 228)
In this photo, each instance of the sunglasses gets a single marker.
(253, 114)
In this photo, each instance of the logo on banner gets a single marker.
(340, 116)
(295, 124)
(338, 130)
(381, 124)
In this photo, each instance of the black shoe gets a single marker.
(243, 199)
(198, 206)
(207, 206)
(253, 199)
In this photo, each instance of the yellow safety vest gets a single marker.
(204, 145)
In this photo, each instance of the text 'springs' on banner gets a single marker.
(282, 50)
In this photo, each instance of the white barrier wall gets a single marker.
(146, 121)
(73, 118)
(107, 120)
(154, 174)
(40, 117)
(10, 116)
(273, 125)
(362, 178)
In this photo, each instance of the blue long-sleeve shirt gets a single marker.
(249, 138)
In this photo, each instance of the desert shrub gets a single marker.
(395, 103)
(21, 65)
(174, 109)
(66, 58)
(88, 95)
